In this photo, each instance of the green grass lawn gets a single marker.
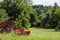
(36, 34)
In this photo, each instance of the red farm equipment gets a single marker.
(21, 31)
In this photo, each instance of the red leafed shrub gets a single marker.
(6, 26)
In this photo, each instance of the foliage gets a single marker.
(27, 15)
(19, 11)
(57, 14)
(48, 15)
(3, 15)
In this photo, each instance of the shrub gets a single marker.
(57, 28)
(6, 26)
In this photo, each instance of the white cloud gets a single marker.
(0, 0)
(46, 2)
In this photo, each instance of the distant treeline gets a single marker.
(49, 16)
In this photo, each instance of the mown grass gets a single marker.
(36, 34)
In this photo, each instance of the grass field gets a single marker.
(36, 34)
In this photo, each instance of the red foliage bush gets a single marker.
(6, 26)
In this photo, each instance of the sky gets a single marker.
(46, 2)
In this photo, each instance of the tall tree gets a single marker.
(3, 15)
(57, 18)
(19, 10)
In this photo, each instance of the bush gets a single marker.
(57, 28)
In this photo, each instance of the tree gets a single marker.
(19, 10)
(57, 16)
(3, 15)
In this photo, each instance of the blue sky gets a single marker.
(46, 2)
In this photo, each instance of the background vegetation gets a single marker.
(27, 15)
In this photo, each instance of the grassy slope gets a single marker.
(36, 34)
